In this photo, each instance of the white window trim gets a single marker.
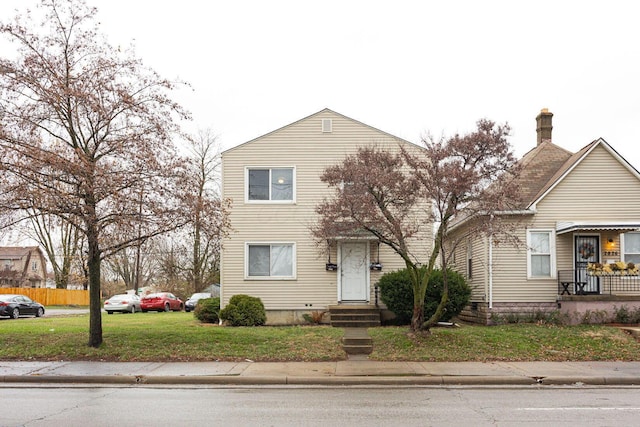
(294, 270)
(552, 250)
(269, 202)
(623, 249)
(327, 125)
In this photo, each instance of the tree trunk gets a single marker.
(417, 320)
(197, 262)
(420, 279)
(439, 310)
(445, 294)
(93, 264)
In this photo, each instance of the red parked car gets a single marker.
(161, 301)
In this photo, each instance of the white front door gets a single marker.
(354, 271)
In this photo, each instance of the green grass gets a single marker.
(180, 337)
(518, 342)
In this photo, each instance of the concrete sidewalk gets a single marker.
(346, 372)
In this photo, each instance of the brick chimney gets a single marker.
(543, 126)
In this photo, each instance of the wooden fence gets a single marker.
(49, 296)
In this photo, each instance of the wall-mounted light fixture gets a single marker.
(330, 266)
(376, 266)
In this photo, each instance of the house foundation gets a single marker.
(593, 309)
(297, 317)
(569, 310)
(506, 312)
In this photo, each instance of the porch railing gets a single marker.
(616, 284)
(580, 282)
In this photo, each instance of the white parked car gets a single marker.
(124, 303)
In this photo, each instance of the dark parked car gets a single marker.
(190, 304)
(14, 306)
(161, 301)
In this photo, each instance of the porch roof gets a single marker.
(354, 237)
(570, 226)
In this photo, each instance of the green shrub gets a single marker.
(539, 317)
(208, 310)
(244, 310)
(396, 291)
(624, 314)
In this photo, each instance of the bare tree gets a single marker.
(134, 266)
(393, 196)
(83, 128)
(61, 242)
(206, 210)
(171, 259)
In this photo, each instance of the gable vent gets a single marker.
(327, 125)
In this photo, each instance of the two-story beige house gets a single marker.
(274, 185)
(22, 267)
(578, 210)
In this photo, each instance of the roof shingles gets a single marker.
(538, 168)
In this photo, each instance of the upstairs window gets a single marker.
(270, 184)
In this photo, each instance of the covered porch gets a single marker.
(598, 277)
(584, 282)
(598, 258)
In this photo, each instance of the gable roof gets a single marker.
(565, 168)
(544, 167)
(324, 110)
(538, 167)
(16, 252)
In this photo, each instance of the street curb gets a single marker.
(591, 380)
(332, 380)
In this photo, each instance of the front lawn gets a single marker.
(516, 342)
(180, 337)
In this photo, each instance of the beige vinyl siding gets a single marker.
(305, 147)
(480, 265)
(459, 259)
(510, 282)
(599, 189)
(479, 262)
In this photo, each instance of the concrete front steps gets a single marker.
(357, 341)
(354, 316)
(355, 319)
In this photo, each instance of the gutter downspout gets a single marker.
(490, 271)
(491, 262)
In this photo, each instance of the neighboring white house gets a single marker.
(578, 209)
(273, 183)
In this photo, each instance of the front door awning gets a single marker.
(571, 226)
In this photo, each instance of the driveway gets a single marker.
(49, 312)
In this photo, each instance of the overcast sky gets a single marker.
(405, 67)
